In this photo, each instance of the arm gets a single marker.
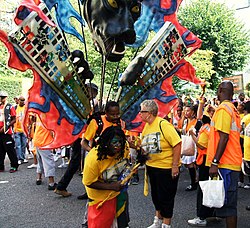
(85, 144)
(213, 171)
(196, 140)
(176, 159)
(13, 120)
(115, 186)
(200, 108)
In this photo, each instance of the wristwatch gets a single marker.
(215, 161)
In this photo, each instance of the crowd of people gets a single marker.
(108, 155)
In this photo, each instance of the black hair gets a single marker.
(206, 119)
(247, 106)
(194, 108)
(111, 104)
(104, 142)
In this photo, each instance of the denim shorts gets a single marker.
(230, 207)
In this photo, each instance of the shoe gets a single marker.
(31, 166)
(53, 187)
(56, 157)
(197, 222)
(241, 185)
(83, 197)
(13, 170)
(19, 162)
(247, 186)
(157, 223)
(135, 180)
(191, 187)
(62, 166)
(63, 193)
(38, 182)
(30, 156)
(25, 161)
(248, 208)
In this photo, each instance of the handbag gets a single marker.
(187, 145)
(213, 192)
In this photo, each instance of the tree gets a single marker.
(201, 60)
(220, 32)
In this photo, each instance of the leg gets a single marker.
(48, 163)
(39, 168)
(231, 222)
(17, 138)
(72, 167)
(9, 146)
(2, 152)
(23, 144)
(192, 173)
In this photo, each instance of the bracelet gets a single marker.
(213, 163)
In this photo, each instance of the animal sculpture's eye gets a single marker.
(135, 9)
(113, 4)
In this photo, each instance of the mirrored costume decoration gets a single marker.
(59, 94)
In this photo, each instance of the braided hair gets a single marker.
(104, 142)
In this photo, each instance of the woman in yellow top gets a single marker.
(163, 145)
(104, 164)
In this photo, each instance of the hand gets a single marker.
(116, 186)
(213, 171)
(2, 130)
(175, 171)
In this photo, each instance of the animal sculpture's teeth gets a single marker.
(76, 59)
(117, 52)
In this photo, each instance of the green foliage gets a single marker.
(202, 60)
(12, 85)
(221, 32)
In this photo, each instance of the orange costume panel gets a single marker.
(226, 119)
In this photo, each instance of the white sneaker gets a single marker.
(197, 222)
(19, 162)
(30, 156)
(25, 161)
(63, 166)
(247, 186)
(32, 166)
(157, 223)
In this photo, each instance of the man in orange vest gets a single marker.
(224, 151)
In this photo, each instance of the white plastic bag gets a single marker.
(213, 192)
(187, 145)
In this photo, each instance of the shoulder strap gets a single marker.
(97, 117)
(162, 131)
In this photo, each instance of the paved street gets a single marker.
(24, 204)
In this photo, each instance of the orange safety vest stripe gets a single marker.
(232, 155)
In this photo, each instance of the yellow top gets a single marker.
(158, 145)
(101, 170)
(19, 119)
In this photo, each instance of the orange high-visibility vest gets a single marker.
(206, 129)
(232, 156)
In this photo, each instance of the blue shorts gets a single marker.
(230, 207)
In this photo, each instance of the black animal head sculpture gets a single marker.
(111, 23)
